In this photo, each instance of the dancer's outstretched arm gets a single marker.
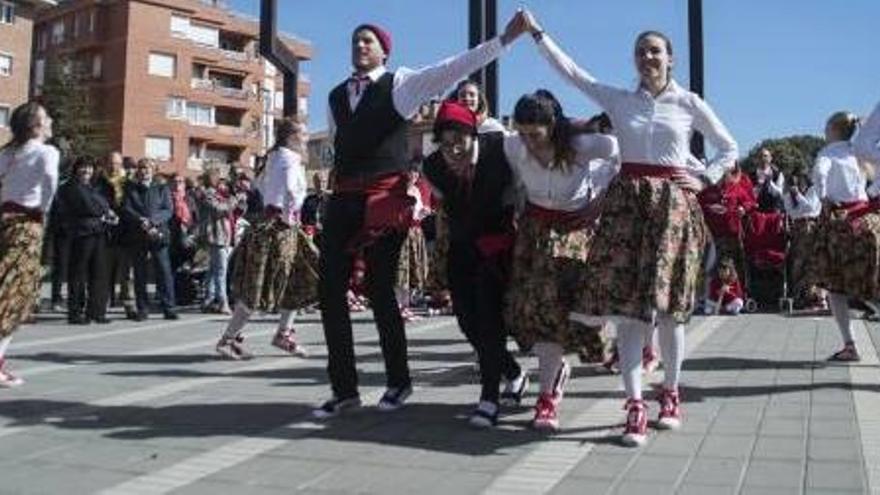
(868, 139)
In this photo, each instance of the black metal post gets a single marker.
(695, 35)
(281, 57)
(483, 23)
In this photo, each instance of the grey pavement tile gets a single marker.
(579, 486)
(696, 489)
(382, 479)
(775, 447)
(772, 473)
(273, 471)
(680, 444)
(836, 475)
(834, 428)
(735, 426)
(715, 471)
(43, 478)
(602, 466)
(828, 491)
(833, 449)
(738, 446)
(763, 490)
(205, 487)
(656, 468)
(784, 427)
(832, 411)
(642, 487)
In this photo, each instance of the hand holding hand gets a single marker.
(515, 27)
(687, 181)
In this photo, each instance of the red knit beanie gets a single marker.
(453, 111)
(383, 35)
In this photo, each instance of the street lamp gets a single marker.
(695, 36)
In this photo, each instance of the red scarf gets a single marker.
(181, 208)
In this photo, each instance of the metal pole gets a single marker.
(281, 57)
(695, 35)
(483, 22)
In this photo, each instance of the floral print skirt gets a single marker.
(647, 253)
(21, 242)
(846, 254)
(276, 268)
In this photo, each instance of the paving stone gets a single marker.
(695, 489)
(602, 466)
(656, 468)
(834, 428)
(715, 471)
(835, 475)
(768, 473)
(676, 444)
(828, 449)
(727, 446)
(641, 487)
(784, 427)
(579, 486)
(793, 448)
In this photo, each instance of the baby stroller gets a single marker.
(766, 246)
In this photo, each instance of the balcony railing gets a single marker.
(228, 130)
(234, 55)
(205, 84)
(224, 91)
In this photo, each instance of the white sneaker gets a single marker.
(7, 379)
(485, 415)
(394, 398)
(335, 406)
(515, 389)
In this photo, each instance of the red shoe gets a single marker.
(546, 418)
(635, 432)
(670, 410)
(849, 354)
(233, 348)
(7, 379)
(285, 340)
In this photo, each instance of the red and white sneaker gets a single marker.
(546, 417)
(285, 340)
(233, 348)
(635, 432)
(670, 410)
(650, 361)
(7, 379)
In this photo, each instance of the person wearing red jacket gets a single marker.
(724, 206)
(725, 291)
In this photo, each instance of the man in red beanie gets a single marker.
(369, 208)
(476, 182)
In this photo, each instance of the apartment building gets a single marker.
(180, 81)
(16, 29)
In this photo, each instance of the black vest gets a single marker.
(372, 140)
(481, 207)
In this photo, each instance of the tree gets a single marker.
(794, 155)
(77, 130)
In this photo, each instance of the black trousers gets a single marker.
(477, 287)
(162, 271)
(61, 244)
(344, 217)
(119, 273)
(87, 273)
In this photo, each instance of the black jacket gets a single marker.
(151, 202)
(82, 208)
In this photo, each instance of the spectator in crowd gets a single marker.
(60, 243)
(184, 224)
(313, 205)
(86, 215)
(769, 183)
(147, 210)
(111, 182)
(220, 208)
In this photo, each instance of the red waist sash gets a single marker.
(636, 170)
(387, 208)
(11, 208)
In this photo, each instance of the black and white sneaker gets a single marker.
(515, 389)
(394, 398)
(335, 406)
(485, 415)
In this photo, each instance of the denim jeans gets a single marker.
(217, 274)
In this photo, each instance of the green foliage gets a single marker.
(793, 154)
(77, 130)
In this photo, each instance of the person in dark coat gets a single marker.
(86, 215)
(147, 210)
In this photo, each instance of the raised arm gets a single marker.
(868, 140)
(412, 88)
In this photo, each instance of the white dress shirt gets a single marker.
(490, 124)
(569, 190)
(29, 175)
(867, 142)
(652, 130)
(836, 176)
(765, 176)
(800, 207)
(283, 183)
(411, 88)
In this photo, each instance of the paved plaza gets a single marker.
(148, 408)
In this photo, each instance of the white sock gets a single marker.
(672, 349)
(630, 339)
(4, 344)
(286, 320)
(735, 306)
(239, 319)
(549, 362)
(840, 310)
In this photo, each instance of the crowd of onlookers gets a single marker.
(118, 224)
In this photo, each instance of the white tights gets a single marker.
(549, 362)
(631, 335)
(840, 310)
(242, 314)
(4, 344)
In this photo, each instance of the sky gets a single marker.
(773, 68)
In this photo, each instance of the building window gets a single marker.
(39, 72)
(162, 64)
(58, 32)
(42, 40)
(158, 148)
(92, 20)
(7, 13)
(4, 115)
(179, 26)
(200, 114)
(204, 35)
(97, 65)
(5, 65)
(78, 24)
(175, 108)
